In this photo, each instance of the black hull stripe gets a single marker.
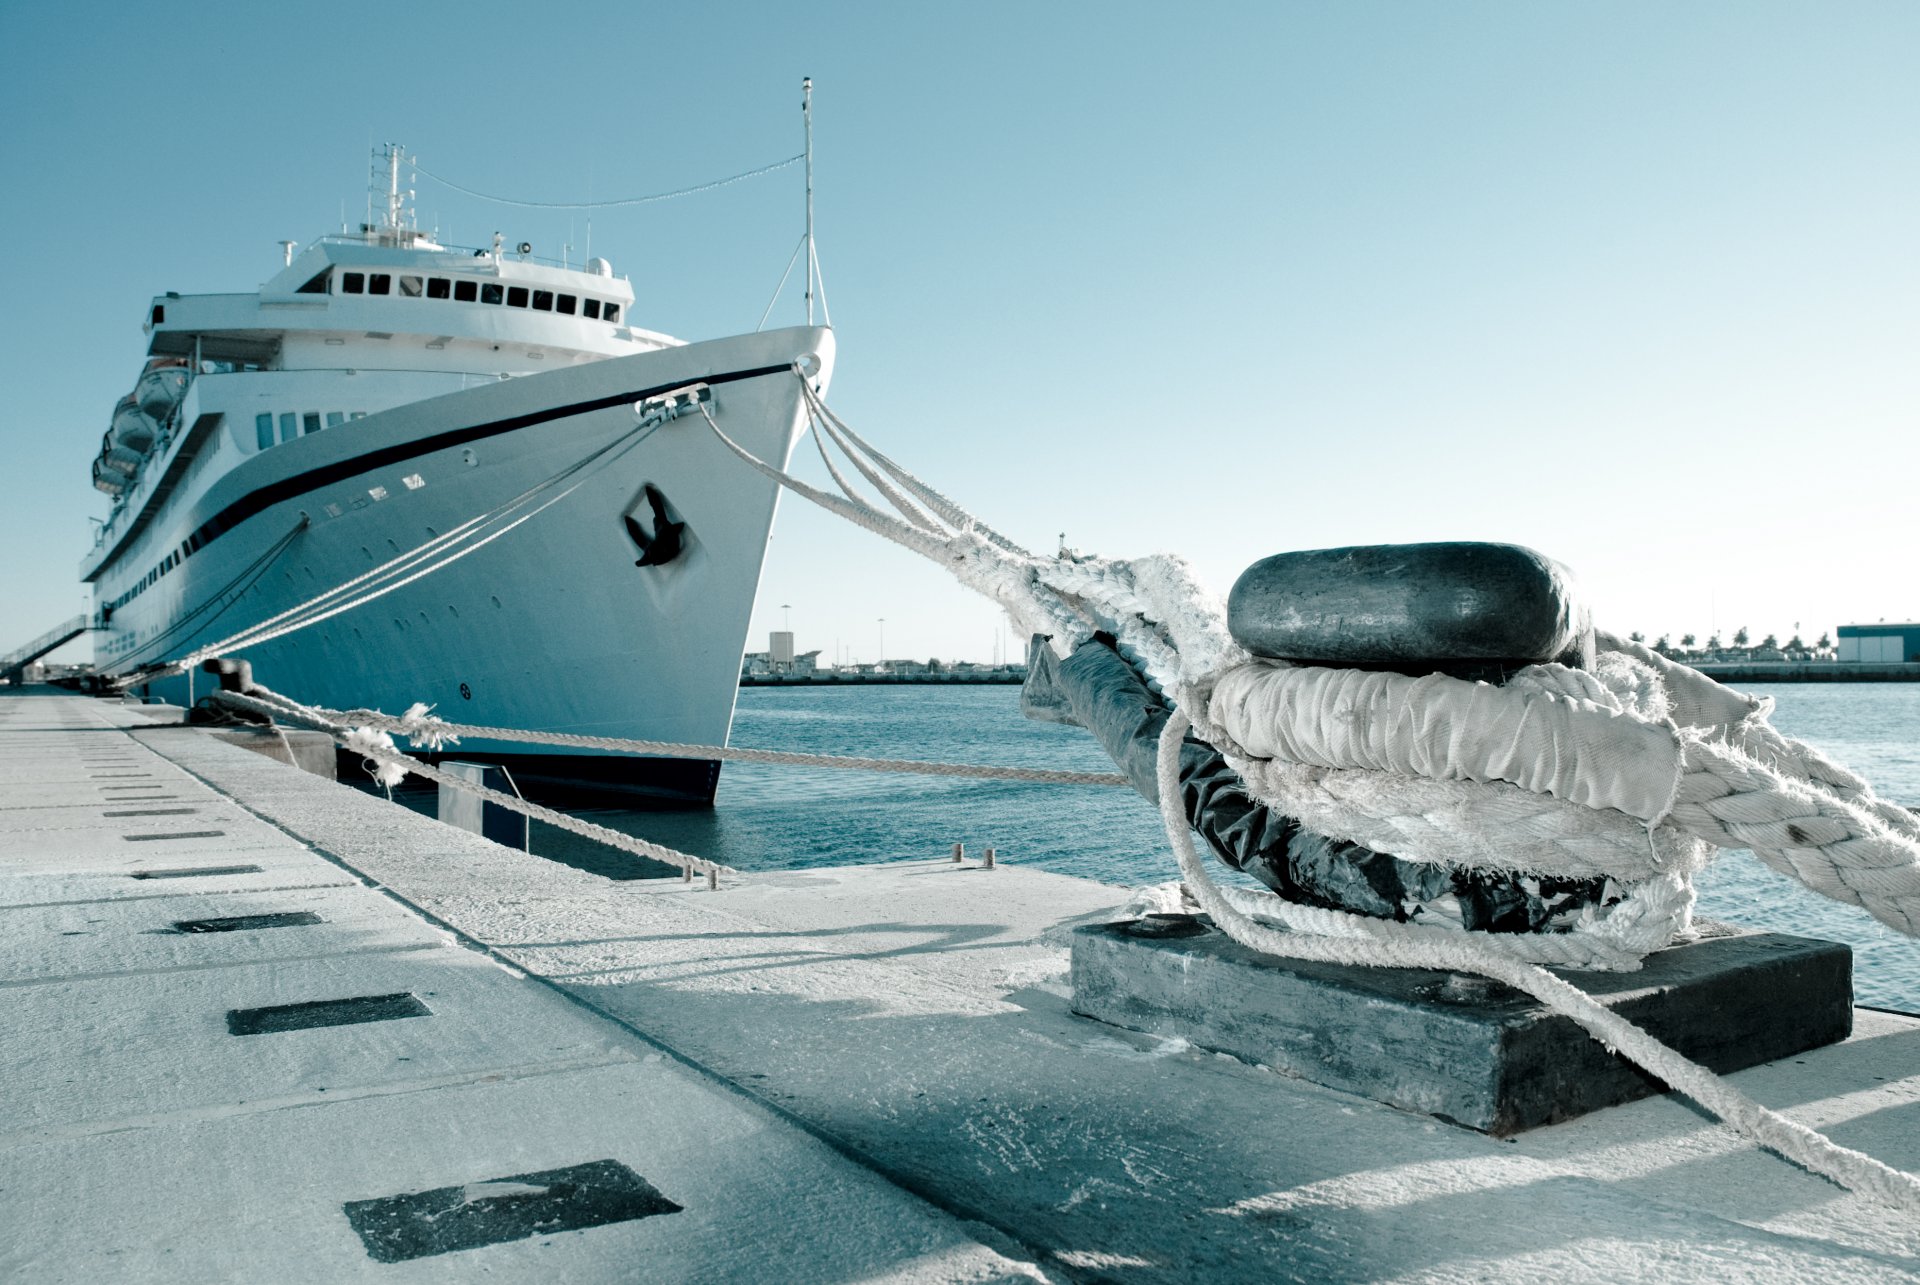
(300, 483)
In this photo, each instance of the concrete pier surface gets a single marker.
(257, 1025)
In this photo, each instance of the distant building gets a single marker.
(1882, 642)
(780, 659)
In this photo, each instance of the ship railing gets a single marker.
(473, 251)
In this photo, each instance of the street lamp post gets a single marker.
(883, 641)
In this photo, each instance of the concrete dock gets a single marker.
(257, 1025)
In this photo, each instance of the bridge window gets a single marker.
(263, 431)
(516, 296)
(380, 283)
(310, 422)
(437, 287)
(318, 284)
(289, 426)
(411, 287)
(543, 300)
(611, 312)
(590, 308)
(490, 292)
(159, 313)
(353, 283)
(335, 419)
(565, 303)
(466, 291)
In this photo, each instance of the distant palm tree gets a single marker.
(1713, 643)
(1662, 645)
(1686, 640)
(1794, 644)
(1825, 643)
(1770, 641)
(1637, 636)
(1740, 636)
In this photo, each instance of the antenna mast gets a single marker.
(806, 117)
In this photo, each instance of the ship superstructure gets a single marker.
(382, 388)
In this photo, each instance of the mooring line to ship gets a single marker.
(369, 743)
(1798, 810)
(430, 732)
(250, 573)
(406, 568)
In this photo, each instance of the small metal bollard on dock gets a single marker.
(472, 813)
(987, 861)
(959, 853)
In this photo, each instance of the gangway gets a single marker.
(13, 666)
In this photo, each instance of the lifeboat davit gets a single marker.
(160, 390)
(133, 429)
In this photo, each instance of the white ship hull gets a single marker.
(553, 626)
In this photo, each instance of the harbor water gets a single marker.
(773, 818)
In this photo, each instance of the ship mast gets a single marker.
(394, 206)
(392, 229)
(806, 117)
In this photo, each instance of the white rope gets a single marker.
(377, 746)
(428, 732)
(1395, 947)
(405, 569)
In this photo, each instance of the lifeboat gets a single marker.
(108, 480)
(161, 389)
(120, 459)
(133, 429)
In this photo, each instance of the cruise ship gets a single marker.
(380, 394)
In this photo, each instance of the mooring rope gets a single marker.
(1735, 782)
(423, 559)
(376, 745)
(426, 731)
(1469, 953)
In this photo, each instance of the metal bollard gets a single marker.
(959, 853)
(989, 859)
(686, 874)
(713, 880)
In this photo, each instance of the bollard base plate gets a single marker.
(1473, 1052)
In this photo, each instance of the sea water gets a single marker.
(777, 818)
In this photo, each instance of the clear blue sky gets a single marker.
(1633, 284)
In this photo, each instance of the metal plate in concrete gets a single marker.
(136, 1046)
(279, 870)
(144, 835)
(97, 939)
(116, 815)
(269, 1190)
